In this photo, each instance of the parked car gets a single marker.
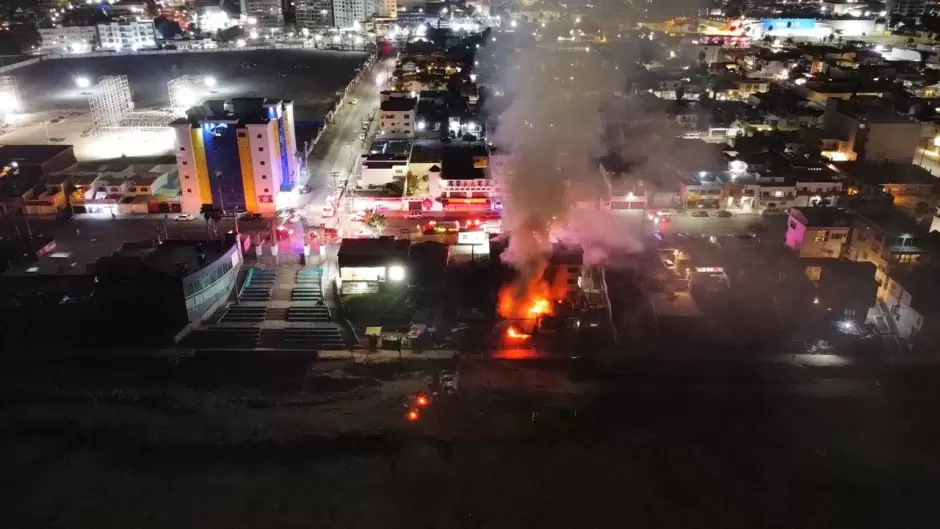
(353, 101)
(184, 217)
(414, 215)
(305, 189)
(723, 214)
(700, 214)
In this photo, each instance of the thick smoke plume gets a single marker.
(553, 133)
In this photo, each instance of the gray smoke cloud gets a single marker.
(553, 131)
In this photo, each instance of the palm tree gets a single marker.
(375, 221)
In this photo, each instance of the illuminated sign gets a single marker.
(710, 269)
(472, 237)
(773, 24)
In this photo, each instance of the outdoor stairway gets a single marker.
(278, 308)
(258, 285)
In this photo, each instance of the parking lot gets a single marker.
(310, 77)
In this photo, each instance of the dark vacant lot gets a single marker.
(51, 84)
(235, 442)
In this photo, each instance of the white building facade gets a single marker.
(123, 36)
(346, 13)
(74, 39)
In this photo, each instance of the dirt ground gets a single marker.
(286, 442)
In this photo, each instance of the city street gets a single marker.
(340, 146)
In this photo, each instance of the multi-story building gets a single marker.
(818, 232)
(907, 8)
(315, 14)
(868, 131)
(397, 116)
(890, 240)
(266, 12)
(910, 301)
(127, 35)
(388, 8)
(236, 155)
(463, 180)
(909, 184)
(346, 13)
(68, 39)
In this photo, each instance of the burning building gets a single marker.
(542, 296)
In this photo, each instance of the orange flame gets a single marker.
(513, 334)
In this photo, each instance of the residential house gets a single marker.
(816, 232)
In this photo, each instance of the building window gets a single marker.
(182, 149)
(185, 162)
(189, 190)
(792, 225)
(186, 177)
(265, 190)
(259, 136)
(262, 162)
(264, 177)
(260, 149)
(822, 236)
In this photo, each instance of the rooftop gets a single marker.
(426, 151)
(893, 223)
(373, 252)
(239, 110)
(68, 257)
(182, 257)
(822, 217)
(399, 104)
(887, 173)
(464, 161)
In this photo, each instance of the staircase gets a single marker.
(278, 308)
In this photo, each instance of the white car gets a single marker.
(414, 215)
(353, 101)
(184, 217)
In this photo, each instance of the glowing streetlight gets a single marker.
(253, 35)
(82, 82)
(210, 81)
(8, 103)
(513, 23)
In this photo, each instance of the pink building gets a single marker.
(818, 231)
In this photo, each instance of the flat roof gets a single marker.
(427, 151)
(457, 162)
(893, 223)
(175, 255)
(373, 252)
(887, 173)
(399, 104)
(823, 217)
(69, 257)
(30, 154)
(239, 110)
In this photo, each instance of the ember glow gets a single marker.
(513, 334)
(529, 299)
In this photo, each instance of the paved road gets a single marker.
(118, 230)
(341, 145)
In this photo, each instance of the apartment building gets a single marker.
(397, 116)
(122, 36)
(818, 231)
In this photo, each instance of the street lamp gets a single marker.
(82, 82)
(210, 81)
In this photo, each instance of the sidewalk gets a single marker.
(362, 355)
